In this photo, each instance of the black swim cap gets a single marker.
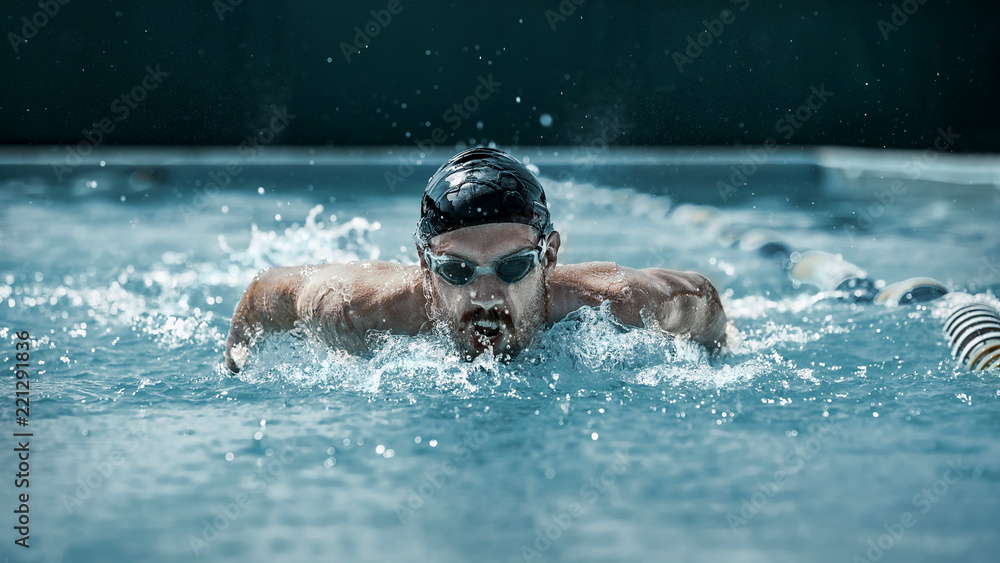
(481, 186)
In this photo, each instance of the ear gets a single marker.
(552, 252)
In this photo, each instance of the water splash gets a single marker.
(588, 352)
(313, 242)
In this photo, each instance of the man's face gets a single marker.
(488, 313)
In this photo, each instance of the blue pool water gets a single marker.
(833, 432)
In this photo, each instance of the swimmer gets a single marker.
(487, 275)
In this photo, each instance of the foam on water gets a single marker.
(313, 242)
(589, 351)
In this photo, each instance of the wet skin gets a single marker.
(340, 303)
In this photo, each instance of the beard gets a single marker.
(498, 331)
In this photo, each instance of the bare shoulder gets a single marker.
(628, 290)
(338, 302)
(589, 280)
(588, 284)
(366, 295)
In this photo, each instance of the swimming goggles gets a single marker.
(509, 269)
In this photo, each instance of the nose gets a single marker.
(485, 291)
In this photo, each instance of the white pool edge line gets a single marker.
(280, 154)
(46, 155)
(852, 162)
(926, 165)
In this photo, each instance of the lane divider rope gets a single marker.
(972, 331)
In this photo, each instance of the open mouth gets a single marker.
(486, 333)
(486, 328)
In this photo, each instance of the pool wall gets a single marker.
(713, 176)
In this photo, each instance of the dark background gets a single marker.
(607, 62)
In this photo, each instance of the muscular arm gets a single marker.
(339, 303)
(680, 303)
(686, 303)
(267, 305)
